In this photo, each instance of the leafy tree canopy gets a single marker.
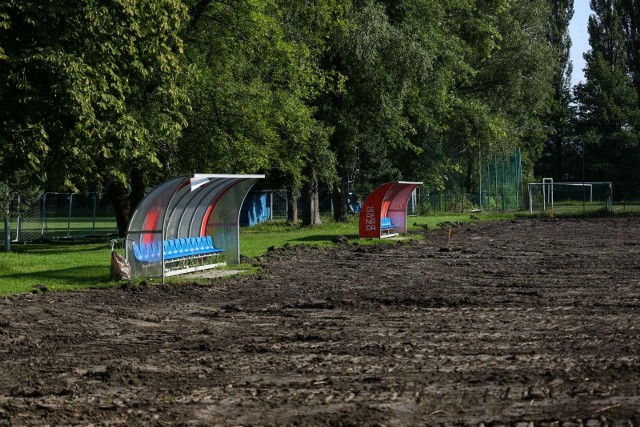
(90, 87)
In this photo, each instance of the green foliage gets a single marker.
(431, 85)
(559, 120)
(250, 86)
(630, 12)
(379, 62)
(5, 198)
(91, 86)
(330, 90)
(609, 117)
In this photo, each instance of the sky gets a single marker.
(579, 38)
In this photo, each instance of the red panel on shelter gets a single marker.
(150, 223)
(372, 212)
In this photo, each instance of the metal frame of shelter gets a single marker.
(389, 201)
(184, 207)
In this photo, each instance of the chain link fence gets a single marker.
(447, 201)
(279, 203)
(61, 216)
(497, 179)
(501, 186)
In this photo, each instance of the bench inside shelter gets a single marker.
(386, 226)
(179, 254)
(176, 249)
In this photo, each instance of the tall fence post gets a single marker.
(286, 206)
(43, 215)
(7, 232)
(69, 216)
(271, 205)
(19, 221)
(95, 208)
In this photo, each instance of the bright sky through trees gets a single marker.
(579, 38)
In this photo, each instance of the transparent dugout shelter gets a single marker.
(188, 206)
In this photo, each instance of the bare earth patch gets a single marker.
(507, 323)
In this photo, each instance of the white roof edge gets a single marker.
(225, 176)
(571, 183)
(410, 182)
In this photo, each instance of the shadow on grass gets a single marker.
(322, 238)
(58, 248)
(85, 275)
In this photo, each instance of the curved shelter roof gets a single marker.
(190, 206)
(387, 201)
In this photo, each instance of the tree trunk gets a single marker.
(137, 188)
(340, 211)
(292, 207)
(311, 212)
(119, 197)
(559, 159)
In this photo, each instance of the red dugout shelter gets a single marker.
(384, 213)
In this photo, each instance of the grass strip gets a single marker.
(73, 265)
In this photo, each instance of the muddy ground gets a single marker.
(510, 323)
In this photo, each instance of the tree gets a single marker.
(311, 25)
(90, 91)
(488, 87)
(426, 83)
(375, 62)
(630, 14)
(559, 121)
(252, 79)
(608, 102)
(506, 95)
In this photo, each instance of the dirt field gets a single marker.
(520, 323)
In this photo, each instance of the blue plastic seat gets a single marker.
(195, 245)
(156, 251)
(208, 244)
(190, 249)
(202, 245)
(170, 250)
(210, 248)
(181, 245)
(147, 254)
(137, 252)
(167, 250)
(385, 223)
(176, 246)
(144, 248)
(175, 249)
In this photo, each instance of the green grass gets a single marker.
(58, 266)
(626, 207)
(70, 265)
(254, 241)
(578, 208)
(433, 220)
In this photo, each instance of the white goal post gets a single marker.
(547, 193)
